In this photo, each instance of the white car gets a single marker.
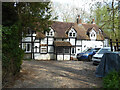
(98, 56)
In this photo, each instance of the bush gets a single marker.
(112, 80)
(12, 54)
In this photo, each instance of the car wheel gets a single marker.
(89, 58)
(95, 64)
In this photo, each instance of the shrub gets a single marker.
(112, 80)
(12, 54)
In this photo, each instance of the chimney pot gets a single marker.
(93, 21)
(79, 21)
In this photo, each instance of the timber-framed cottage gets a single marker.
(63, 41)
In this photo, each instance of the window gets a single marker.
(36, 48)
(91, 35)
(28, 47)
(24, 46)
(70, 34)
(43, 50)
(66, 50)
(73, 34)
(59, 50)
(51, 33)
(73, 50)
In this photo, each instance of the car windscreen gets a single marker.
(88, 50)
(102, 51)
(96, 49)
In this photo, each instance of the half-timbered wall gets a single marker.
(43, 49)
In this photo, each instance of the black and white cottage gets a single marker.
(63, 41)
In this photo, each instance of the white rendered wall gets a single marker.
(59, 57)
(78, 42)
(66, 57)
(27, 39)
(50, 41)
(91, 44)
(44, 41)
(44, 56)
(78, 50)
(72, 41)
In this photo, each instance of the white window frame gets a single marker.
(66, 49)
(24, 47)
(73, 49)
(43, 48)
(72, 33)
(29, 47)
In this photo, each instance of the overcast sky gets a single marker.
(78, 3)
(84, 4)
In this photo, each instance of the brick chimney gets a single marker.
(93, 21)
(79, 20)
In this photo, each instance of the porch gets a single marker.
(62, 50)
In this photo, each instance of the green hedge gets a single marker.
(12, 54)
(112, 80)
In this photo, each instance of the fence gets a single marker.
(116, 47)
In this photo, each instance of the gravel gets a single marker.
(57, 74)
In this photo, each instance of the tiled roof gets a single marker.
(61, 28)
(40, 35)
(61, 43)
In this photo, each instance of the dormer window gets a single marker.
(92, 35)
(70, 34)
(51, 33)
(73, 34)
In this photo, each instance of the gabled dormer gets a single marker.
(72, 33)
(50, 33)
(92, 34)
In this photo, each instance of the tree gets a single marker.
(119, 20)
(16, 20)
(106, 16)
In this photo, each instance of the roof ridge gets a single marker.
(64, 22)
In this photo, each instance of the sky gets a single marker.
(78, 3)
(84, 4)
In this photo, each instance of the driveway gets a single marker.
(57, 74)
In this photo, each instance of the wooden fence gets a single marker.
(116, 46)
